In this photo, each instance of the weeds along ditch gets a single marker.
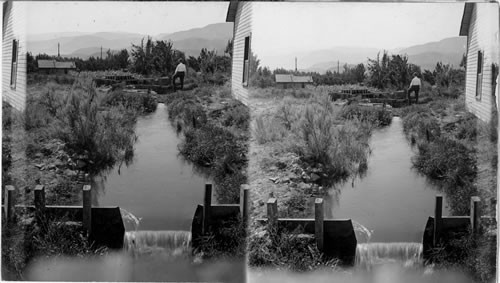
(449, 141)
(66, 130)
(318, 144)
(332, 142)
(215, 130)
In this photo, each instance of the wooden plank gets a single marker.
(318, 223)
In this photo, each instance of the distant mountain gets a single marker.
(448, 51)
(84, 45)
(222, 31)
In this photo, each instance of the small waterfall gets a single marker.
(370, 254)
(130, 221)
(157, 242)
(363, 234)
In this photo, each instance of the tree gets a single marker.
(229, 48)
(31, 63)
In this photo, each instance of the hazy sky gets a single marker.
(287, 27)
(139, 17)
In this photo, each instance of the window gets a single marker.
(246, 61)
(13, 70)
(479, 78)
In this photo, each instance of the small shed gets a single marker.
(53, 66)
(292, 81)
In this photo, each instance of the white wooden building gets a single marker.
(240, 13)
(480, 23)
(14, 54)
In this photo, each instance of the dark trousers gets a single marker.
(179, 75)
(416, 89)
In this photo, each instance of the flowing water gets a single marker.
(158, 192)
(390, 205)
(369, 255)
(392, 201)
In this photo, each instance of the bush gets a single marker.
(236, 115)
(475, 255)
(216, 147)
(284, 250)
(421, 125)
(452, 163)
(138, 101)
(467, 128)
(226, 241)
(101, 137)
(373, 115)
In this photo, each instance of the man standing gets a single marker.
(414, 87)
(180, 72)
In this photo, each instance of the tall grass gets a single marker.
(316, 132)
(372, 115)
(22, 244)
(285, 250)
(213, 138)
(83, 121)
(138, 101)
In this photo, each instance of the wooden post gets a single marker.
(9, 203)
(475, 215)
(39, 202)
(207, 203)
(87, 209)
(438, 219)
(244, 203)
(319, 218)
(272, 214)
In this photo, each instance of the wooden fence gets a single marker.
(103, 225)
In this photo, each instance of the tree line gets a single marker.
(383, 72)
(149, 58)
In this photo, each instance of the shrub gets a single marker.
(104, 137)
(268, 129)
(226, 241)
(421, 125)
(236, 115)
(216, 147)
(340, 148)
(475, 255)
(284, 250)
(467, 128)
(452, 163)
(140, 101)
(373, 115)
(446, 158)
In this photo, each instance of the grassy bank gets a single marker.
(215, 130)
(214, 127)
(457, 152)
(301, 146)
(67, 132)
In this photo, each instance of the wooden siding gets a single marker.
(483, 33)
(14, 28)
(242, 29)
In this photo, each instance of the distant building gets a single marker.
(14, 54)
(53, 66)
(480, 23)
(292, 81)
(240, 13)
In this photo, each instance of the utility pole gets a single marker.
(338, 67)
(295, 64)
(58, 53)
(101, 52)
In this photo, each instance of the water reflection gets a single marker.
(391, 199)
(158, 185)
